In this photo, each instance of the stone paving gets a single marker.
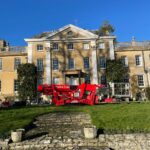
(58, 131)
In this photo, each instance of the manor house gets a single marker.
(72, 55)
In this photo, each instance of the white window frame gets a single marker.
(138, 59)
(72, 46)
(39, 81)
(55, 80)
(102, 79)
(73, 63)
(55, 69)
(16, 63)
(86, 46)
(86, 61)
(40, 66)
(55, 49)
(124, 60)
(40, 47)
(101, 45)
(101, 63)
(138, 80)
(16, 85)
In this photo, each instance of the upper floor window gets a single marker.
(102, 62)
(55, 64)
(40, 64)
(138, 60)
(17, 63)
(16, 83)
(1, 64)
(55, 47)
(86, 46)
(40, 47)
(86, 63)
(124, 60)
(70, 63)
(70, 46)
(140, 80)
(101, 45)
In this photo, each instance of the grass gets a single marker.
(110, 118)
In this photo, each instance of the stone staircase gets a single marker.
(58, 131)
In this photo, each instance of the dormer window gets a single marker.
(55, 47)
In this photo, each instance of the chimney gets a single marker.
(133, 42)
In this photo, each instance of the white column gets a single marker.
(29, 50)
(111, 48)
(48, 64)
(94, 63)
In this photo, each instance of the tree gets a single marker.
(27, 81)
(106, 29)
(115, 71)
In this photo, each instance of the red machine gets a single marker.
(66, 94)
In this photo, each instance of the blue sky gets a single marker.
(21, 19)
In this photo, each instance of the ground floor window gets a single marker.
(39, 81)
(55, 80)
(16, 85)
(87, 79)
(103, 79)
(140, 80)
(0, 86)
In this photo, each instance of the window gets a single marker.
(17, 63)
(39, 47)
(138, 60)
(16, 85)
(39, 81)
(87, 79)
(103, 79)
(124, 61)
(55, 47)
(101, 46)
(55, 64)
(86, 63)
(140, 80)
(55, 80)
(40, 64)
(102, 62)
(0, 63)
(70, 63)
(0, 85)
(70, 46)
(126, 79)
(86, 46)
(69, 33)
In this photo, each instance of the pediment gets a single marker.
(71, 32)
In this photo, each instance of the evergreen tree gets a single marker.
(27, 78)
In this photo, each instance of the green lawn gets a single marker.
(111, 118)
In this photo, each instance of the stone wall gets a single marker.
(126, 141)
